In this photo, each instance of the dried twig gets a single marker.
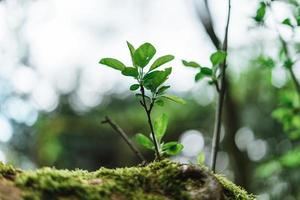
(122, 133)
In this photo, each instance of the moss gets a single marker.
(157, 181)
(232, 191)
(7, 171)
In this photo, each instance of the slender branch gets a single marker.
(148, 112)
(295, 80)
(217, 86)
(287, 53)
(220, 102)
(207, 22)
(290, 69)
(122, 133)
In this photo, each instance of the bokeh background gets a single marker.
(54, 94)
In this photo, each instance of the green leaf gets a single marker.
(134, 87)
(160, 61)
(168, 71)
(130, 71)
(199, 76)
(113, 63)
(190, 64)
(206, 71)
(288, 63)
(172, 148)
(264, 61)
(218, 57)
(144, 54)
(162, 89)
(132, 50)
(174, 98)
(287, 22)
(154, 79)
(261, 12)
(160, 126)
(298, 20)
(201, 158)
(160, 102)
(144, 141)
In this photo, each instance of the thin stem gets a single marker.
(148, 113)
(290, 69)
(295, 80)
(220, 102)
(287, 53)
(122, 133)
(217, 86)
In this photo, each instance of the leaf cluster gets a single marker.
(160, 127)
(151, 91)
(148, 77)
(213, 72)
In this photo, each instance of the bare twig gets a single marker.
(122, 133)
(220, 102)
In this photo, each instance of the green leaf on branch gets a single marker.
(160, 102)
(218, 57)
(190, 64)
(172, 148)
(261, 12)
(134, 87)
(199, 76)
(160, 126)
(113, 63)
(144, 54)
(174, 98)
(160, 61)
(144, 141)
(206, 71)
(287, 22)
(288, 63)
(132, 50)
(130, 71)
(154, 79)
(298, 20)
(162, 89)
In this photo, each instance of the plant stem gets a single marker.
(122, 133)
(287, 52)
(148, 113)
(220, 102)
(290, 69)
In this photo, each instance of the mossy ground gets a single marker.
(157, 181)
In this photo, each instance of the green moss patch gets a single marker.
(157, 181)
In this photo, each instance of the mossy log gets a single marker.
(162, 180)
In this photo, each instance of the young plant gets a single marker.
(151, 91)
(212, 73)
(217, 76)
